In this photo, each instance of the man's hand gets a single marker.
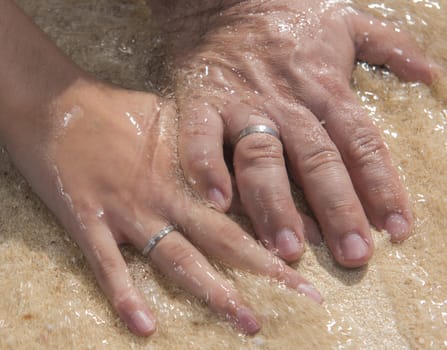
(287, 65)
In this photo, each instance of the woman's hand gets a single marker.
(287, 65)
(104, 161)
(105, 164)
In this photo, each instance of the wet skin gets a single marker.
(287, 64)
(103, 159)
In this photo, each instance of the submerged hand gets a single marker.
(105, 165)
(287, 65)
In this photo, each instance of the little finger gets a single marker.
(318, 167)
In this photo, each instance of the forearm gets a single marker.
(33, 73)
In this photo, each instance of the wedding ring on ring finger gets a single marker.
(156, 238)
(256, 129)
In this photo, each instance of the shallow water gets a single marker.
(49, 295)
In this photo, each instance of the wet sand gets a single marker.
(49, 298)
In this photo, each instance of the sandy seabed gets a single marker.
(49, 297)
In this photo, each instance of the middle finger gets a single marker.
(319, 168)
(223, 239)
(181, 262)
(263, 183)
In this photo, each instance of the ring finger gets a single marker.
(179, 260)
(263, 182)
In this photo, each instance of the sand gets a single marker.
(49, 298)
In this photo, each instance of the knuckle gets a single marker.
(366, 147)
(108, 268)
(260, 149)
(194, 127)
(181, 254)
(320, 160)
(332, 82)
(340, 207)
(201, 161)
(278, 271)
(276, 198)
(333, 89)
(384, 191)
(122, 299)
(223, 299)
(229, 236)
(232, 245)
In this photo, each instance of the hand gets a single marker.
(104, 163)
(103, 160)
(287, 64)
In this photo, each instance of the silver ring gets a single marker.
(157, 238)
(256, 129)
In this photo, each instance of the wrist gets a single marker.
(34, 73)
(34, 121)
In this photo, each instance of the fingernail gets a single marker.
(353, 246)
(216, 196)
(309, 291)
(287, 243)
(247, 321)
(142, 322)
(397, 226)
